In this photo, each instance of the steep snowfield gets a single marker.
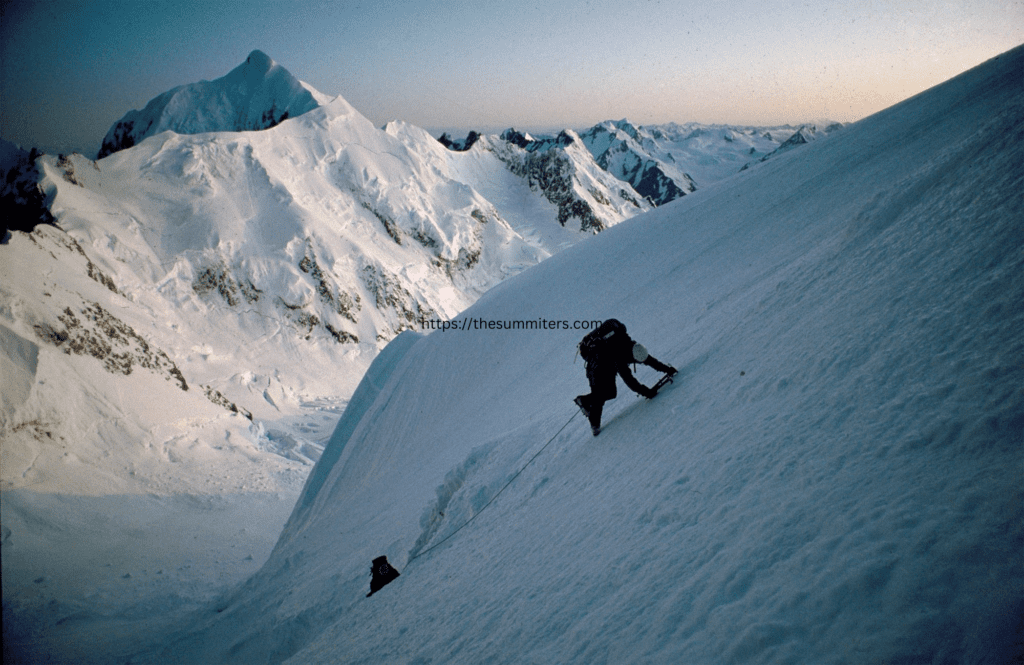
(833, 478)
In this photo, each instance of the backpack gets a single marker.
(593, 345)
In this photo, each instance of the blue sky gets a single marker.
(69, 70)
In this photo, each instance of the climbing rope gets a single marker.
(439, 543)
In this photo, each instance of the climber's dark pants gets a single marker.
(602, 385)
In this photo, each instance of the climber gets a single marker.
(608, 351)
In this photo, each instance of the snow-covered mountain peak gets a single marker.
(258, 94)
(626, 126)
(257, 67)
(258, 62)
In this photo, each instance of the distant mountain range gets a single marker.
(663, 162)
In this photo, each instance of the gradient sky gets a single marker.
(69, 70)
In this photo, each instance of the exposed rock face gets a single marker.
(565, 172)
(552, 172)
(620, 149)
(648, 178)
(459, 145)
(516, 138)
(22, 200)
(96, 332)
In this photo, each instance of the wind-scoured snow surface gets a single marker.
(833, 478)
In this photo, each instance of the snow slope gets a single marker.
(834, 477)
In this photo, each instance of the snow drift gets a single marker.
(834, 477)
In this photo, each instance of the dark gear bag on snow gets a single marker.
(382, 572)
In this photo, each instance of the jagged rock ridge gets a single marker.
(656, 162)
